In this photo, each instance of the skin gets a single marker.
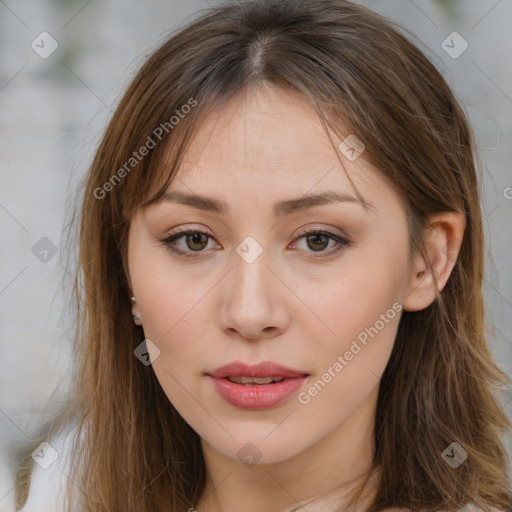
(290, 305)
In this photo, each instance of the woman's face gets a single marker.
(256, 288)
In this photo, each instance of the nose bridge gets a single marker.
(249, 280)
(250, 303)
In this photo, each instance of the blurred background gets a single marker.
(63, 67)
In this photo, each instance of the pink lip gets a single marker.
(257, 396)
(263, 369)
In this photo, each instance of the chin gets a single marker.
(260, 446)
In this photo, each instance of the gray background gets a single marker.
(53, 111)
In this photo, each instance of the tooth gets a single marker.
(263, 380)
(255, 380)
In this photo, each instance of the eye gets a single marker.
(196, 241)
(318, 241)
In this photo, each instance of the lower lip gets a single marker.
(257, 396)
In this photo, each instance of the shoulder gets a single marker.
(50, 474)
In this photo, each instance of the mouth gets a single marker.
(260, 386)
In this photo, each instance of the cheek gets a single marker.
(351, 361)
(359, 313)
(364, 334)
(174, 317)
(169, 297)
(173, 313)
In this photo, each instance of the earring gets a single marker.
(137, 316)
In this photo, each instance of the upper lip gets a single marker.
(263, 369)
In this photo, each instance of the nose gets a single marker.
(252, 303)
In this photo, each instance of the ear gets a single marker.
(429, 272)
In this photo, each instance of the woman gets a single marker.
(280, 279)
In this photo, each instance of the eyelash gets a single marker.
(170, 240)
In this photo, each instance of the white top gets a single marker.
(50, 476)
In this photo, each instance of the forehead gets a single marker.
(270, 136)
(267, 146)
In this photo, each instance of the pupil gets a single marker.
(316, 236)
(194, 237)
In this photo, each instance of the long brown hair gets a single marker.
(360, 72)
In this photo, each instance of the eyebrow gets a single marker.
(280, 208)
